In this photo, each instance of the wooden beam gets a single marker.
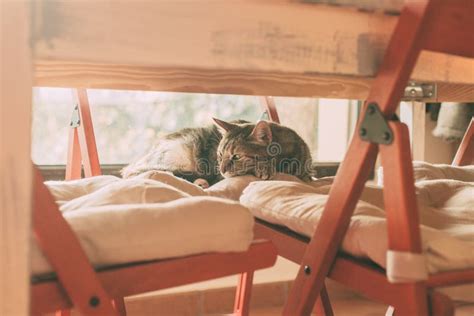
(127, 77)
(15, 163)
(200, 39)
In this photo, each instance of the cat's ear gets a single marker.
(224, 126)
(262, 132)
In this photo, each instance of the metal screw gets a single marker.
(363, 131)
(94, 301)
(371, 109)
(386, 136)
(307, 270)
(413, 92)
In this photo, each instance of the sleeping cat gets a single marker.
(203, 155)
(262, 149)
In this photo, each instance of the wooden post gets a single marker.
(15, 157)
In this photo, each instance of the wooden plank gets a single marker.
(201, 37)
(127, 77)
(15, 161)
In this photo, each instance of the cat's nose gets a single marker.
(225, 166)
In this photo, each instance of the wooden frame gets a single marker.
(272, 53)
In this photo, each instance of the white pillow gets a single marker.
(232, 188)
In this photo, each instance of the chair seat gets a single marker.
(445, 211)
(119, 234)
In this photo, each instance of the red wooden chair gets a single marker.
(92, 292)
(436, 25)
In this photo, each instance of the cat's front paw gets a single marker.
(264, 172)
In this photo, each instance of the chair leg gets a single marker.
(323, 304)
(413, 302)
(440, 304)
(119, 305)
(243, 294)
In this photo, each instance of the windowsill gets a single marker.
(57, 172)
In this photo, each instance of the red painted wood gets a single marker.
(399, 192)
(65, 254)
(119, 305)
(402, 212)
(450, 28)
(156, 275)
(451, 278)
(74, 160)
(465, 153)
(441, 304)
(323, 304)
(387, 89)
(90, 156)
(243, 294)
(268, 103)
(332, 227)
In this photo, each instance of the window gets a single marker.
(127, 123)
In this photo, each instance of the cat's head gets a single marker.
(242, 147)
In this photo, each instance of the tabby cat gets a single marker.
(203, 155)
(262, 149)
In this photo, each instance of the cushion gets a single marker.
(139, 219)
(64, 191)
(448, 238)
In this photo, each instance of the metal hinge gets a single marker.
(418, 91)
(75, 118)
(374, 127)
(265, 116)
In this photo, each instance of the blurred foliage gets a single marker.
(127, 123)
